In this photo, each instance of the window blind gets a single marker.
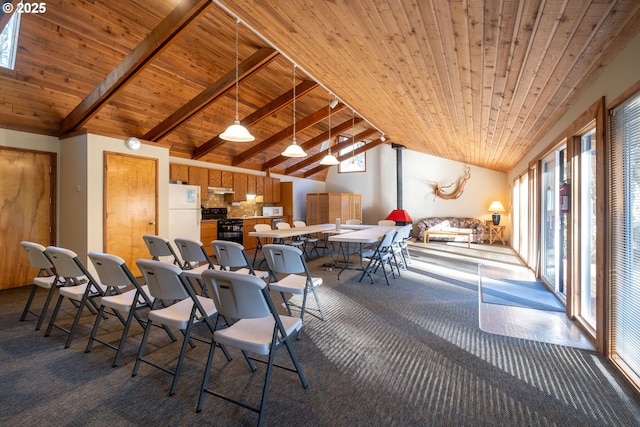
(624, 210)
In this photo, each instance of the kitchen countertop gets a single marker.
(247, 217)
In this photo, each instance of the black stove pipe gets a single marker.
(398, 149)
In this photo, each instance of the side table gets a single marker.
(496, 232)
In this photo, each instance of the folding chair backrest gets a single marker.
(284, 259)
(353, 222)
(66, 262)
(386, 222)
(406, 231)
(165, 281)
(237, 296)
(38, 258)
(299, 224)
(261, 227)
(192, 251)
(112, 270)
(282, 225)
(159, 247)
(230, 254)
(387, 239)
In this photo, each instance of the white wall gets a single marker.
(378, 186)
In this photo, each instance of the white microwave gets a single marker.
(272, 211)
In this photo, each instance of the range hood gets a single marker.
(221, 190)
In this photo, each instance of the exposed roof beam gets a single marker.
(318, 156)
(357, 151)
(305, 123)
(158, 39)
(317, 140)
(201, 101)
(272, 107)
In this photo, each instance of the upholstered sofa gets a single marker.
(471, 225)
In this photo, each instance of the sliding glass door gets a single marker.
(587, 228)
(554, 207)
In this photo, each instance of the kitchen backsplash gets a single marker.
(247, 208)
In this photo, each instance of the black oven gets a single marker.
(230, 230)
(214, 213)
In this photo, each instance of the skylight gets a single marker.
(9, 42)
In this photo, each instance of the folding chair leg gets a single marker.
(32, 294)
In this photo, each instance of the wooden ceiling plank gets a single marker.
(160, 38)
(267, 110)
(249, 66)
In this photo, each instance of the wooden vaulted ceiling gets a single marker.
(473, 81)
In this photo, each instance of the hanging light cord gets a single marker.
(294, 103)
(329, 128)
(237, 59)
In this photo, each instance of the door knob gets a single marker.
(152, 222)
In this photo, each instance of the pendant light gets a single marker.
(329, 159)
(294, 150)
(236, 132)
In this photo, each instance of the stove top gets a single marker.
(214, 213)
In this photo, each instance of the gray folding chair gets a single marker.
(290, 274)
(161, 249)
(46, 279)
(379, 256)
(195, 259)
(80, 288)
(258, 329)
(175, 305)
(232, 256)
(113, 271)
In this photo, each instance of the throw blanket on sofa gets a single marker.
(472, 225)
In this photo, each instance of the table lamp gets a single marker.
(496, 207)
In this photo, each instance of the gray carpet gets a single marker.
(409, 354)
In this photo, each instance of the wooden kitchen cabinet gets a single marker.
(260, 186)
(215, 178)
(179, 172)
(226, 179)
(200, 176)
(271, 190)
(208, 232)
(251, 184)
(324, 208)
(248, 242)
(239, 187)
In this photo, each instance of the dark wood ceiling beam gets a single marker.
(317, 140)
(337, 147)
(357, 151)
(201, 101)
(301, 125)
(158, 39)
(267, 110)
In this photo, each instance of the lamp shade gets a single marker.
(294, 150)
(496, 206)
(329, 160)
(399, 216)
(237, 133)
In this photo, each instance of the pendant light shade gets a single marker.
(294, 150)
(236, 132)
(330, 159)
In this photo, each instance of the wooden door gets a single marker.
(130, 205)
(27, 210)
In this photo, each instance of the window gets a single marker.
(9, 42)
(356, 162)
(624, 257)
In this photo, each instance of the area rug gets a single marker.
(519, 293)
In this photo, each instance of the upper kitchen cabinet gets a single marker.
(179, 172)
(200, 176)
(271, 190)
(226, 179)
(239, 188)
(215, 178)
(251, 184)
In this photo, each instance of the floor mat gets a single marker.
(519, 293)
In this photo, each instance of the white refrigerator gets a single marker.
(184, 213)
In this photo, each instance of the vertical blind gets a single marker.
(624, 209)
